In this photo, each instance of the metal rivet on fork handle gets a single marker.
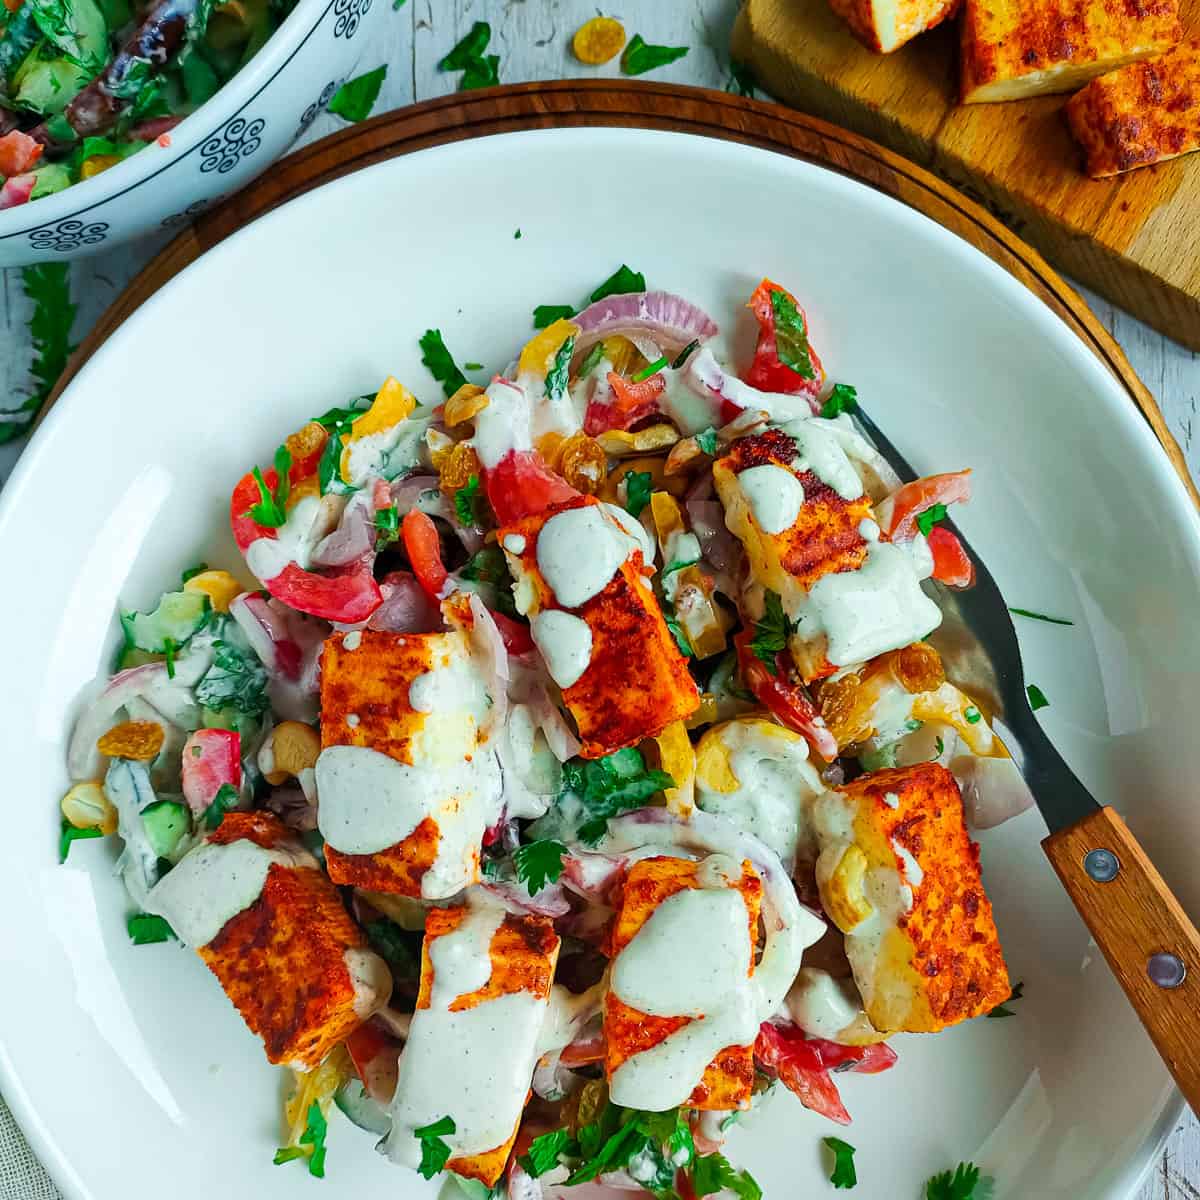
(1101, 865)
(1166, 970)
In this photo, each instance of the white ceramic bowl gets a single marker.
(214, 151)
(127, 1066)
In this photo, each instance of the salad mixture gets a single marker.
(86, 83)
(577, 775)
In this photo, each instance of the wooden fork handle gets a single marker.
(1150, 943)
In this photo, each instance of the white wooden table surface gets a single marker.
(532, 38)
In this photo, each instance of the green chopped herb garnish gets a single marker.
(771, 631)
(479, 70)
(270, 509)
(973, 715)
(638, 486)
(640, 57)
(714, 1173)
(434, 1151)
(546, 314)
(145, 929)
(621, 282)
(963, 1184)
(609, 785)
(1037, 616)
(356, 97)
(387, 526)
(236, 679)
(466, 503)
(844, 1174)
(192, 572)
(648, 370)
(71, 834)
(472, 366)
(544, 1151)
(843, 398)
(590, 359)
(398, 948)
(556, 377)
(707, 441)
(1037, 698)
(224, 801)
(941, 746)
(930, 517)
(517, 236)
(169, 649)
(791, 335)
(539, 863)
(440, 362)
(999, 1012)
(312, 1144)
(677, 632)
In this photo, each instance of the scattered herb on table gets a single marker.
(146, 929)
(1037, 698)
(479, 70)
(356, 97)
(640, 56)
(844, 1174)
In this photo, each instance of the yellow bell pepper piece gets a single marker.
(98, 162)
(537, 355)
(678, 759)
(393, 403)
(219, 586)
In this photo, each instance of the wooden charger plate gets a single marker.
(613, 103)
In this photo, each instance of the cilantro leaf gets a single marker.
(714, 1173)
(145, 929)
(609, 785)
(539, 863)
(844, 1174)
(440, 362)
(192, 572)
(225, 799)
(638, 486)
(1037, 616)
(482, 73)
(47, 285)
(270, 510)
(466, 503)
(387, 526)
(842, 399)
(236, 679)
(771, 631)
(397, 947)
(71, 834)
(468, 49)
(312, 1144)
(622, 281)
(1037, 698)
(707, 441)
(356, 97)
(791, 335)
(546, 314)
(963, 1184)
(590, 359)
(999, 1012)
(613, 1153)
(930, 517)
(640, 57)
(556, 377)
(544, 1152)
(435, 1153)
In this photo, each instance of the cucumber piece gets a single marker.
(167, 823)
(130, 656)
(47, 86)
(362, 1110)
(51, 178)
(229, 718)
(178, 616)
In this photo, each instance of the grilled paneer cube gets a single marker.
(1141, 114)
(407, 783)
(683, 953)
(899, 875)
(473, 1044)
(594, 618)
(1012, 48)
(795, 500)
(885, 25)
(272, 929)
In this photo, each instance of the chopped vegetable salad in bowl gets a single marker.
(577, 778)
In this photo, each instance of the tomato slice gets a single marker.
(18, 152)
(515, 636)
(785, 1052)
(376, 1058)
(521, 485)
(424, 550)
(346, 594)
(862, 1060)
(767, 372)
(210, 759)
(631, 402)
(911, 500)
(588, 1049)
(787, 702)
(951, 564)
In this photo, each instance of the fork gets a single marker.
(1148, 940)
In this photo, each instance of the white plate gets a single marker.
(132, 1074)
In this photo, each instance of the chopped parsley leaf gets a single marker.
(963, 1184)
(714, 1173)
(387, 526)
(609, 785)
(467, 51)
(466, 503)
(48, 286)
(517, 236)
(999, 1012)
(791, 335)
(640, 57)
(1037, 698)
(648, 370)
(973, 715)
(225, 800)
(930, 517)
(539, 863)
(482, 73)
(844, 1174)
(312, 1144)
(356, 97)
(544, 1151)
(843, 398)
(941, 746)
(619, 283)
(590, 359)
(771, 631)
(707, 441)
(556, 377)
(270, 510)
(71, 834)
(638, 486)
(192, 572)
(472, 366)
(236, 679)
(435, 1153)
(440, 362)
(1037, 616)
(681, 638)
(546, 314)
(146, 929)
(169, 649)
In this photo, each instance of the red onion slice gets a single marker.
(993, 790)
(405, 608)
(354, 537)
(717, 544)
(671, 321)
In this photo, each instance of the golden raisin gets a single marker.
(459, 465)
(919, 668)
(306, 441)
(598, 40)
(549, 446)
(440, 446)
(138, 740)
(841, 704)
(469, 400)
(683, 457)
(582, 463)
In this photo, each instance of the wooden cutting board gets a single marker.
(1134, 239)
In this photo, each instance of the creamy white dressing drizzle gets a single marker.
(514, 543)
(389, 452)
(912, 869)
(371, 979)
(565, 643)
(704, 374)
(293, 541)
(578, 553)
(474, 1065)
(633, 528)
(820, 449)
(505, 425)
(868, 530)
(774, 494)
(454, 684)
(821, 1005)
